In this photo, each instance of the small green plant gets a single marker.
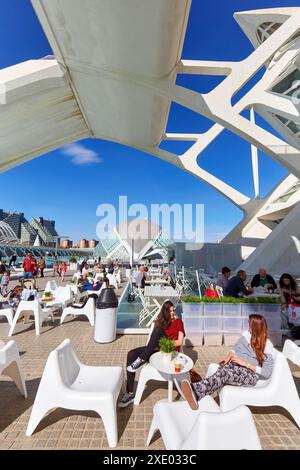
(73, 281)
(166, 345)
(73, 259)
(48, 294)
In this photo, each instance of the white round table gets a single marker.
(167, 368)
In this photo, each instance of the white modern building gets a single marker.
(134, 241)
(113, 76)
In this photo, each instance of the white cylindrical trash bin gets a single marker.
(106, 316)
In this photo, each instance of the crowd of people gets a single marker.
(236, 286)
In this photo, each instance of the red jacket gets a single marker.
(29, 265)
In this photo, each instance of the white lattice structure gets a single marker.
(113, 76)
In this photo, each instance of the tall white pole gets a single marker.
(254, 156)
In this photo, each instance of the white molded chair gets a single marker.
(10, 365)
(35, 308)
(206, 429)
(51, 286)
(62, 296)
(150, 310)
(88, 309)
(112, 280)
(278, 390)
(291, 351)
(67, 383)
(8, 313)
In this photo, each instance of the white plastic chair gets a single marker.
(8, 313)
(150, 309)
(88, 309)
(219, 290)
(35, 308)
(51, 286)
(291, 351)
(10, 365)
(205, 429)
(67, 383)
(278, 390)
(62, 296)
(112, 280)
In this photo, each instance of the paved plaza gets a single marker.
(63, 429)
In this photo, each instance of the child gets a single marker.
(63, 270)
(4, 282)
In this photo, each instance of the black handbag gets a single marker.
(131, 297)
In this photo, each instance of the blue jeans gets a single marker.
(27, 275)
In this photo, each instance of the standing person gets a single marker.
(55, 266)
(250, 360)
(4, 283)
(12, 260)
(42, 265)
(29, 266)
(63, 270)
(2, 267)
(166, 324)
(222, 280)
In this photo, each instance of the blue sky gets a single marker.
(68, 185)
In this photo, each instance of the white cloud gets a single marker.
(81, 155)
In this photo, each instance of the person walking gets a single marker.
(4, 283)
(29, 266)
(42, 265)
(55, 266)
(12, 261)
(63, 270)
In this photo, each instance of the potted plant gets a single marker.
(167, 348)
(48, 296)
(73, 263)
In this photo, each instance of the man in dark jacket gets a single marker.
(235, 285)
(263, 279)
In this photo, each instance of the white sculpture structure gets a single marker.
(113, 77)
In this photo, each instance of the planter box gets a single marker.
(232, 324)
(230, 338)
(232, 310)
(248, 309)
(192, 310)
(213, 324)
(213, 338)
(212, 310)
(73, 266)
(194, 338)
(193, 324)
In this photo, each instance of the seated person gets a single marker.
(166, 324)
(263, 279)
(223, 278)
(288, 290)
(250, 360)
(236, 287)
(12, 298)
(138, 277)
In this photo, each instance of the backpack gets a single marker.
(131, 297)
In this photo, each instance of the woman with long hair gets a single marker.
(288, 290)
(166, 324)
(250, 360)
